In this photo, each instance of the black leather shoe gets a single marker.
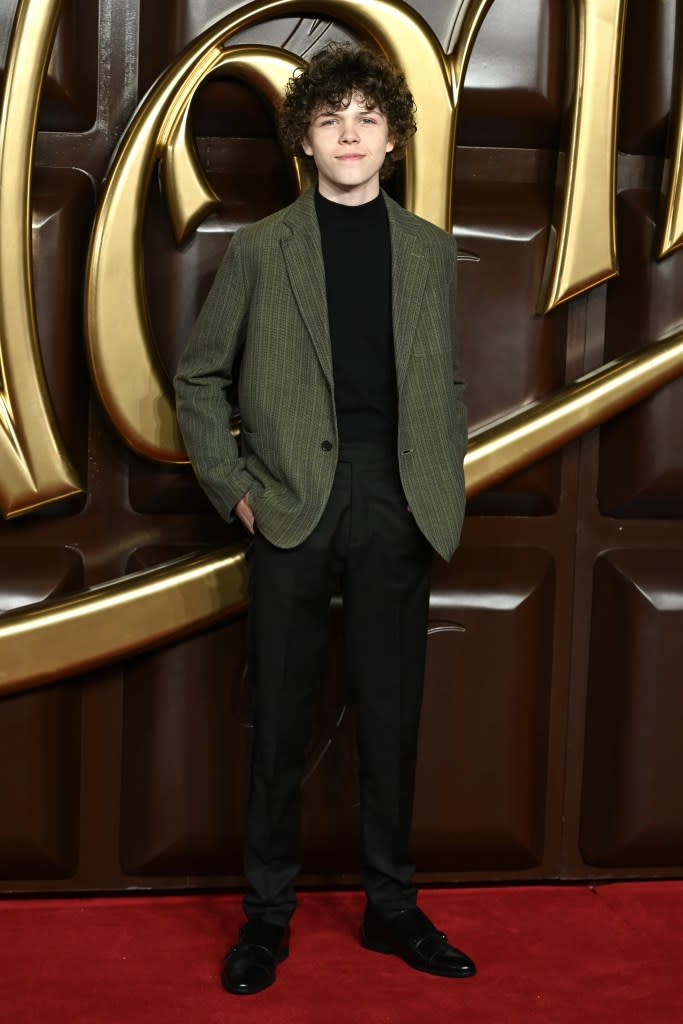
(250, 965)
(411, 935)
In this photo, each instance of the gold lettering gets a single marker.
(671, 237)
(34, 467)
(137, 612)
(582, 248)
(188, 193)
(131, 383)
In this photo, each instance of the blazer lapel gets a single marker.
(303, 258)
(408, 281)
(302, 253)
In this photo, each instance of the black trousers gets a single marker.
(367, 542)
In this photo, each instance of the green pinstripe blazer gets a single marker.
(268, 301)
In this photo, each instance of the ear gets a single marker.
(390, 145)
(306, 146)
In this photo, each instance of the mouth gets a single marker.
(351, 156)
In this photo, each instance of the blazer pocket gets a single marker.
(252, 442)
(258, 458)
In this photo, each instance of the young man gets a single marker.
(351, 471)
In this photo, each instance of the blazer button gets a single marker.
(326, 446)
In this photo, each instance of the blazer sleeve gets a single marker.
(203, 385)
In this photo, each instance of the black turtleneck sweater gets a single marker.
(357, 257)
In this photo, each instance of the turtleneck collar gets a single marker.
(340, 213)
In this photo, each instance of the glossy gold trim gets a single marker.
(129, 615)
(137, 612)
(582, 247)
(499, 449)
(35, 469)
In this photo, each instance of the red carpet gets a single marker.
(550, 954)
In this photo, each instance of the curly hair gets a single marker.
(332, 77)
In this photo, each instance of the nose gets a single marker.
(349, 133)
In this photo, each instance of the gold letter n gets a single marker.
(34, 467)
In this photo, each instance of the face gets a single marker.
(348, 146)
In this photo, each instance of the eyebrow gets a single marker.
(336, 110)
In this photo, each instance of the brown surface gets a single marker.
(551, 734)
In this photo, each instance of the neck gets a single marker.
(353, 196)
